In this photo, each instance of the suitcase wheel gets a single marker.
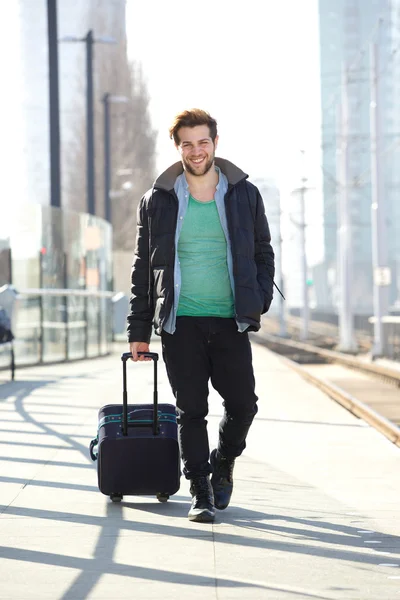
(116, 497)
(162, 497)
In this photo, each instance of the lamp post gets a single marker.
(89, 40)
(347, 341)
(301, 226)
(54, 107)
(380, 258)
(90, 159)
(107, 98)
(304, 265)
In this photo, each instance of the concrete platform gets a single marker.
(315, 512)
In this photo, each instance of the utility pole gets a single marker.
(279, 267)
(381, 271)
(347, 341)
(54, 105)
(107, 159)
(90, 158)
(301, 191)
(306, 309)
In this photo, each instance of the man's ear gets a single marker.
(216, 141)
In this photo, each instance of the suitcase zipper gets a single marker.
(164, 417)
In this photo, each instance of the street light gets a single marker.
(304, 264)
(89, 40)
(107, 98)
(380, 259)
(54, 105)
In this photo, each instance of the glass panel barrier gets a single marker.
(61, 324)
(28, 330)
(76, 327)
(54, 329)
(60, 264)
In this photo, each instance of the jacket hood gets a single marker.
(166, 180)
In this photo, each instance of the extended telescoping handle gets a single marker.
(124, 357)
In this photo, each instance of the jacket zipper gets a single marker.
(229, 222)
(168, 308)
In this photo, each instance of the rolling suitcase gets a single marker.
(136, 447)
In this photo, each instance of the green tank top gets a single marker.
(206, 289)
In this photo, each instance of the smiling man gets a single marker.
(202, 274)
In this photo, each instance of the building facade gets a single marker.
(25, 117)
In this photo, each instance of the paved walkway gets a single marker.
(315, 512)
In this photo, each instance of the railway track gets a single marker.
(329, 334)
(368, 390)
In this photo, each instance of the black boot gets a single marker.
(222, 479)
(202, 509)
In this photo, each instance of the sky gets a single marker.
(254, 66)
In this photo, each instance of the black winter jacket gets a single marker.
(153, 264)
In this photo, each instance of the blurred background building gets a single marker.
(31, 103)
(347, 28)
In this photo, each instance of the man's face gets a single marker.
(197, 149)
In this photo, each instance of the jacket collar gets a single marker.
(166, 180)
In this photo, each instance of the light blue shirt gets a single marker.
(181, 188)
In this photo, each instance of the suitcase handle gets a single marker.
(124, 357)
(127, 355)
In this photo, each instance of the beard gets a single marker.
(199, 172)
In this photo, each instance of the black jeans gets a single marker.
(203, 349)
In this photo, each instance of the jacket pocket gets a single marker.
(265, 300)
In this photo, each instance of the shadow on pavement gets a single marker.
(102, 563)
(242, 520)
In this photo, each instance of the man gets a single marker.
(203, 274)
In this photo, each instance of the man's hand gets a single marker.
(136, 347)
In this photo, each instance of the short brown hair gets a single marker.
(192, 118)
